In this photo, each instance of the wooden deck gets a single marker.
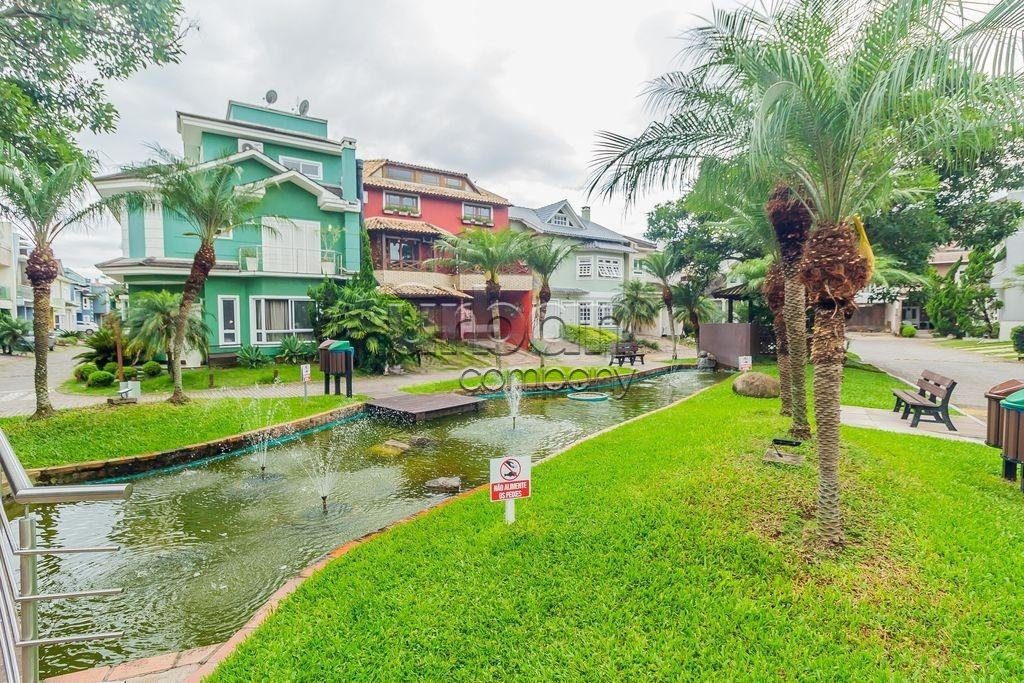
(419, 407)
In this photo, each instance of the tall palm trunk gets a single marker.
(41, 269)
(666, 298)
(543, 297)
(202, 264)
(834, 269)
(492, 290)
(774, 293)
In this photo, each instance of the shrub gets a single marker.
(592, 339)
(908, 331)
(251, 357)
(69, 334)
(131, 372)
(101, 378)
(294, 350)
(82, 372)
(110, 367)
(101, 348)
(649, 344)
(152, 369)
(1017, 335)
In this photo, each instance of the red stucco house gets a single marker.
(406, 208)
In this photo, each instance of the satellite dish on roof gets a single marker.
(303, 107)
(271, 96)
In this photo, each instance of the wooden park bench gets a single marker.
(931, 399)
(623, 351)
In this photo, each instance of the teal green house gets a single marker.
(257, 291)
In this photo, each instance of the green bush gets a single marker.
(592, 339)
(131, 372)
(294, 350)
(1017, 335)
(82, 372)
(251, 357)
(152, 369)
(110, 367)
(908, 331)
(100, 378)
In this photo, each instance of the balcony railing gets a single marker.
(285, 260)
(19, 556)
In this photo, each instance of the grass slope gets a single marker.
(102, 432)
(665, 550)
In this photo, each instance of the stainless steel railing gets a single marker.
(19, 596)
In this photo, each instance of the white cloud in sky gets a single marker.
(512, 93)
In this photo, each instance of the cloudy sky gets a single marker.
(512, 93)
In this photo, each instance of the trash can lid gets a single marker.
(343, 345)
(1004, 389)
(326, 344)
(1014, 401)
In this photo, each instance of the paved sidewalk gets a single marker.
(974, 373)
(968, 429)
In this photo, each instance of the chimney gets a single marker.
(586, 214)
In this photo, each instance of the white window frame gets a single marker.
(220, 320)
(560, 217)
(259, 337)
(604, 314)
(638, 266)
(285, 160)
(588, 262)
(614, 265)
(490, 211)
(584, 306)
(385, 204)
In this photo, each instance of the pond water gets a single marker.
(202, 548)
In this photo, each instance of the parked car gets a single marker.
(88, 329)
(51, 341)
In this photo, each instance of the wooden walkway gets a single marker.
(419, 407)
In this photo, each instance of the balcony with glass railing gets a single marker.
(264, 260)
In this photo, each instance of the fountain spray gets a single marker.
(514, 396)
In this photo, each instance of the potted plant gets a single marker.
(251, 257)
(328, 266)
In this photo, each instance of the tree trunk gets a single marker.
(783, 361)
(695, 323)
(666, 298)
(828, 353)
(492, 291)
(202, 264)
(41, 269)
(543, 297)
(795, 312)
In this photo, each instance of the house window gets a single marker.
(454, 183)
(227, 320)
(560, 219)
(476, 212)
(402, 251)
(639, 267)
(604, 314)
(430, 179)
(397, 173)
(609, 268)
(584, 267)
(273, 319)
(584, 315)
(310, 169)
(404, 203)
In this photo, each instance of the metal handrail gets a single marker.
(19, 629)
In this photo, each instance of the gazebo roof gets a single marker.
(734, 292)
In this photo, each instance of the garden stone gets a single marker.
(400, 446)
(422, 440)
(756, 385)
(385, 451)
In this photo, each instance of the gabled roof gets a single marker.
(373, 176)
(326, 200)
(538, 220)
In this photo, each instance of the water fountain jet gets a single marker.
(514, 396)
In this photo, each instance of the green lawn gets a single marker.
(199, 379)
(988, 347)
(863, 385)
(552, 373)
(667, 550)
(104, 432)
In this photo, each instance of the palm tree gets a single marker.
(152, 323)
(13, 332)
(544, 257)
(488, 251)
(43, 203)
(692, 307)
(843, 96)
(211, 200)
(636, 305)
(664, 266)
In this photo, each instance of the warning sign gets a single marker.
(510, 478)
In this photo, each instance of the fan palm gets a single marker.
(211, 200)
(544, 257)
(846, 97)
(664, 266)
(152, 323)
(43, 203)
(488, 251)
(636, 305)
(692, 308)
